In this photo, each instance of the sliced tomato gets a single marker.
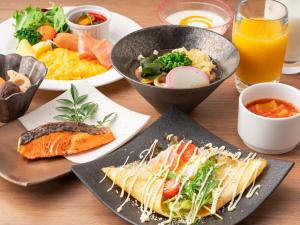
(98, 17)
(188, 152)
(171, 188)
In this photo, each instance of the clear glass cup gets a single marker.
(215, 15)
(292, 57)
(261, 40)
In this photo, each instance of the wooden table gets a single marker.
(67, 201)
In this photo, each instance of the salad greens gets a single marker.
(30, 19)
(155, 65)
(56, 17)
(191, 189)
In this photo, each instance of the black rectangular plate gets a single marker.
(178, 123)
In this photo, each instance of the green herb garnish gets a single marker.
(31, 35)
(109, 117)
(171, 60)
(75, 110)
(154, 65)
(56, 17)
(192, 188)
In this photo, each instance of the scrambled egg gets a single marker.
(64, 64)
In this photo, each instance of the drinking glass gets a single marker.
(292, 56)
(261, 40)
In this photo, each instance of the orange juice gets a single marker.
(262, 44)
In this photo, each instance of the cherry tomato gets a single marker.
(98, 17)
(189, 151)
(171, 188)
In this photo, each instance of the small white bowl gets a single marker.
(269, 135)
(98, 31)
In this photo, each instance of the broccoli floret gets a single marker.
(31, 35)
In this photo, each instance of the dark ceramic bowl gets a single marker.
(144, 41)
(17, 104)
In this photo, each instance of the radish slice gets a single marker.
(186, 77)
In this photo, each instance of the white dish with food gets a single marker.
(119, 27)
(113, 117)
(264, 134)
(82, 19)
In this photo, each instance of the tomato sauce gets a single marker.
(272, 108)
(90, 18)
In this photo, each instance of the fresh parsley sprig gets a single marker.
(74, 109)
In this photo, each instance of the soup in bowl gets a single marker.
(184, 88)
(269, 117)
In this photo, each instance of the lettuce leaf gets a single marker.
(192, 187)
(29, 18)
(56, 17)
(33, 18)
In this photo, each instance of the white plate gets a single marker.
(119, 27)
(126, 125)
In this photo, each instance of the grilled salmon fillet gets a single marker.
(62, 138)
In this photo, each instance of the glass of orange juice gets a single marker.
(261, 40)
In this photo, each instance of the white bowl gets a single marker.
(98, 31)
(269, 135)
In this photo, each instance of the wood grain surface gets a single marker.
(67, 201)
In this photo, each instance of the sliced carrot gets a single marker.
(47, 32)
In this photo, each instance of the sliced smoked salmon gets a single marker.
(85, 43)
(102, 51)
(62, 138)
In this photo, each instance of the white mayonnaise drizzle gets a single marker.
(138, 170)
(232, 205)
(253, 187)
(181, 153)
(182, 185)
(164, 168)
(169, 220)
(169, 137)
(145, 213)
(215, 214)
(216, 194)
(115, 177)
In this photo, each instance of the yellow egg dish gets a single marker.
(64, 64)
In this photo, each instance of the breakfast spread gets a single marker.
(178, 68)
(183, 183)
(186, 182)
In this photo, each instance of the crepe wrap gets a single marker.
(119, 175)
